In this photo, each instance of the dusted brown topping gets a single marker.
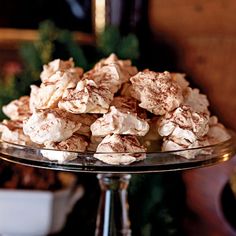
(60, 114)
(87, 97)
(183, 128)
(49, 94)
(118, 122)
(59, 65)
(11, 131)
(180, 80)
(12, 124)
(54, 66)
(128, 104)
(158, 92)
(75, 143)
(111, 73)
(125, 66)
(51, 125)
(107, 76)
(173, 145)
(120, 149)
(197, 101)
(186, 119)
(125, 104)
(217, 132)
(18, 109)
(57, 77)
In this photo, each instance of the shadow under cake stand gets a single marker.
(113, 215)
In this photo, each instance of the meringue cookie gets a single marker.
(196, 100)
(181, 117)
(86, 120)
(119, 150)
(54, 66)
(18, 109)
(180, 79)
(158, 92)
(107, 76)
(217, 132)
(170, 145)
(12, 132)
(184, 123)
(58, 65)
(76, 143)
(125, 104)
(183, 128)
(125, 67)
(118, 122)
(51, 125)
(50, 93)
(87, 97)
(33, 102)
(128, 104)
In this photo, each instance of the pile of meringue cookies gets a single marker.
(113, 110)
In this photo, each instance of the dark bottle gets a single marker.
(132, 16)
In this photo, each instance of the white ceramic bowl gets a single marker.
(33, 212)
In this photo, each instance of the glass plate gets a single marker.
(154, 162)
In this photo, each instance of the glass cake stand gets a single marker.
(113, 215)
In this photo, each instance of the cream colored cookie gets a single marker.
(119, 122)
(197, 101)
(17, 109)
(125, 66)
(58, 65)
(173, 145)
(217, 132)
(87, 97)
(158, 92)
(49, 94)
(120, 150)
(180, 79)
(184, 123)
(51, 125)
(67, 149)
(128, 104)
(11, 131)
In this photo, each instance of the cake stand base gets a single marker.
(113, 211)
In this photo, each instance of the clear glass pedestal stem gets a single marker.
(113, 211)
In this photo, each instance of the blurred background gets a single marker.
(193, 37)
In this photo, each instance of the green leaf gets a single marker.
(108, 40)
(78, 55)
(45, 50)
(128, 47)
(65, 37)
(30, 56)
(47, 31)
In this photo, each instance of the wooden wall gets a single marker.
(203, 34)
